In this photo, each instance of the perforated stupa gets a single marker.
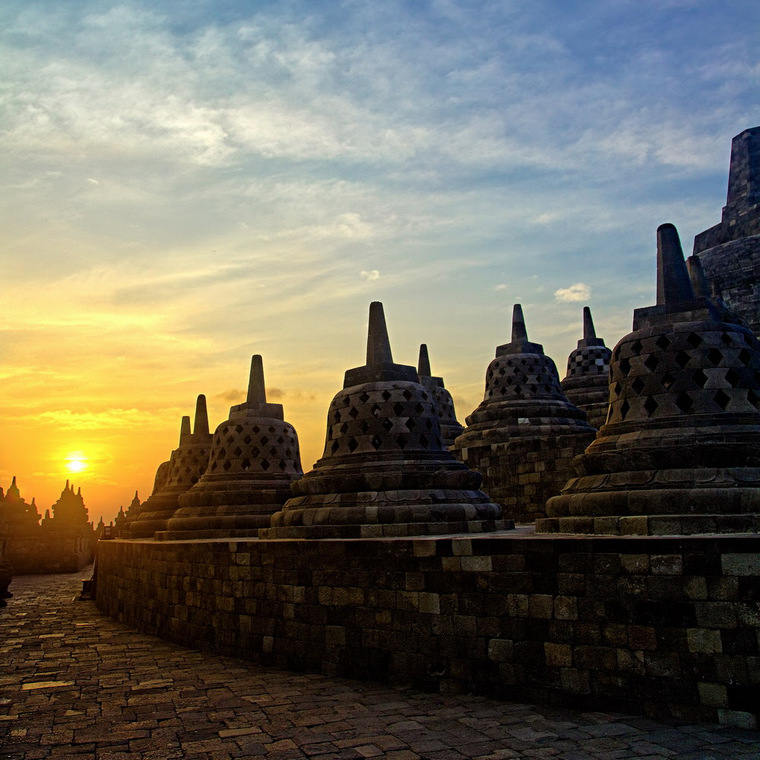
(525, 433)
(181, 472)
(680, 452)
(587, 384)
(384, 471)
(254, 458)
(444, 404)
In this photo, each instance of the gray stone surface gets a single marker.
(74, 684)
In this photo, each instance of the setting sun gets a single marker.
(76, 462)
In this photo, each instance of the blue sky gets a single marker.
(188, 183)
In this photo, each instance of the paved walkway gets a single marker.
(74, 684)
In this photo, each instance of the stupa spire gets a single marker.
(697, 277)
(519, 332)
(257, 393)
(673, 283)
(423, 364)
(184, 429)
(201, 416)
(589, 333)
(378, 344)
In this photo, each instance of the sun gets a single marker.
(76, 461)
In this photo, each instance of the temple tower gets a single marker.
(181, 472)
(587, 384)
(444, 404)
(525, 433)
(254, 458)
(384, 471)
(680, 452)
(730, 251)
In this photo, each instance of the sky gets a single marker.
(184, 184)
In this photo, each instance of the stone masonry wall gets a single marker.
(48, 554)
(663, 625)
(522, 474)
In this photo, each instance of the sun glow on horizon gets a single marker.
(76, 461)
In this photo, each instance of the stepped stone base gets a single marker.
(521, 474)
(660, 625)
(654, 525)
(387, 530)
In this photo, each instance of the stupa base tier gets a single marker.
(220, 520)
(652, 525)
(387, 530)
(199, 534)
(147, 526)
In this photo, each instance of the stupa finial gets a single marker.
(519, 333)
(184, 429)
(257, 393)
(697, 276)
(589, 333)
(201, 416)
(378, 344)
(673, 283)
(423, 365)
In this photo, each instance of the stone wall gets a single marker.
(663, 625)
(48, 554)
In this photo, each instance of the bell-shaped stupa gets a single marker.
(254, 458)
(587, 383)
(444, 404)
(384, 471)
(525, 434)
(680, 452)
(181, 472)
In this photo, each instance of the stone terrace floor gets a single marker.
(74, 684)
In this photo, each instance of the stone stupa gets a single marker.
(525, 434)
(587, 383)
(254, 458)
(181, 472)
(680, 452)
(444, 404)
(384, 471)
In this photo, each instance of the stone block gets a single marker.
(558, 655)
(713, 694)
(500, 650)
(741, 564)
(704, 641)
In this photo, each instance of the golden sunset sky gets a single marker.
(184, 185)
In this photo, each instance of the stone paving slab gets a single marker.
(75, 684)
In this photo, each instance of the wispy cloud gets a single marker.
(579, 291)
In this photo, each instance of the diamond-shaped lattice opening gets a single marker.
(238, 451)
(346, 400)
(247, 439)
(364, 426)
(509, 362)
(364, 398)
(721, 399)
(354, 412)
(732, 378)
(407, 394)
(402, 441)
(264, 464)
(714, 356)
(246, 464)
(419, 409)
(651, 362)
(684, 402)
(344, 427)
(410, 423)
(625, 407)
(694, 340)
(726, 339)
(238, 428)
(280, 439)
(386, 395)
(424, 396)
(650, 405)
(226, 464)
(335, 446)
(682, 359)
(638, 385)
(523, 362)
(745, 356)
(502, 372)
(214, 465)
(662, 342)
(616, 389)
(636, 347)
(753, 398)
(264, 440)
(222, 453)
(375, 411)
(282, 465)
(273, 451)
(625, 366)
(423, 441)
(667, 381)
(256, 428)
(230, 439)
(398, 409)
(288, 453)
(255, 451)
(428, 424)
(700, 378)
(376, 442)
(387, 424)
(509, 381)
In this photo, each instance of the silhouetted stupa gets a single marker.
(444, 404)
(525, 434)
(384, 471)
(680, 452)
(254, 458)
